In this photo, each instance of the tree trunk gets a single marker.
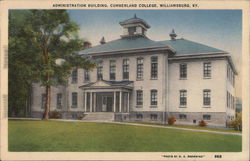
(47, 107)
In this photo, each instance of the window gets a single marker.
(125, 68)
(183, 70)
(227, 99)
(183, 97)
(112, 67)
(86, 75)
(153, 97)
(206, 97)
(153, 116)
(183, 117)
(154, 67)
(43, 101)
(206, 117)
(74, 100)
(74, 76)
(131, 30)
(59, 100)
(207, 69)
(139, 68)
(99, 71)
(139, 116)
(139, 97)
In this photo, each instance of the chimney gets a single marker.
(173, 35)
(87, 45)
(102, 41)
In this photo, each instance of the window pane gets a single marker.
(125, 68)
(139, 68)
(86, 75)
(154, 67)
(183, 97)
(139, 97)
(153, 97)
(74, 76)
(112, 70)
(99, 71)
(59, 100)
(206, 97)
(43, 100)
(207, 69)
(74, 99)
(183, 70)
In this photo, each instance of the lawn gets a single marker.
(55, 136)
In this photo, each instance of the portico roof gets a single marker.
(104, 84)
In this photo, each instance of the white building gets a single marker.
(138, 79)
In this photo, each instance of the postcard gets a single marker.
(115, 80)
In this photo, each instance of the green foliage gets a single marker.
(237, 122)
(171, 120)
(58, 136)
(37, 38)
(202, 123)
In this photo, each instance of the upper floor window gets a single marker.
(112, 67)
(139, 97)
(154, 67)
(43, 101)
(86, 75)
(74, 99)
(139, 72)
(207, 97)
(74, 76)
(183, 97)
(59, 100)
(153, 97)
(125, 68)
(99, 70)
(207, 69)
(183, 70)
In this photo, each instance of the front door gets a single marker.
(107, 103)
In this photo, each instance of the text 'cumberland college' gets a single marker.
(124, 5)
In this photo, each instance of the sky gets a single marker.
(221, 29)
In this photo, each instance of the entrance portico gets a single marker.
(107, 96)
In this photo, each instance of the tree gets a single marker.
(51, 35)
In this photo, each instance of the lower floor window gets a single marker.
(183, 117)
(139, 116)
(206, 117)
(153, 116)
(74, 99)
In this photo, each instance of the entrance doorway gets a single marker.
(107, 103)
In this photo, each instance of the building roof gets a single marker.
(183, 46)
(127, 43)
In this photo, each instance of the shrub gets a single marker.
(79, 117)
(171, 120)
(55, 115)
(237, 122)
(202, 123)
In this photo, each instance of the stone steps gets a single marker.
(99, 116)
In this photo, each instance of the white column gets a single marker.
(85, 101)
(128, 103)
(120, 106)
(94, 107)
(114, 107)
(91, 107)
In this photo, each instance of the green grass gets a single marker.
(190, 127)
(58, 136)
